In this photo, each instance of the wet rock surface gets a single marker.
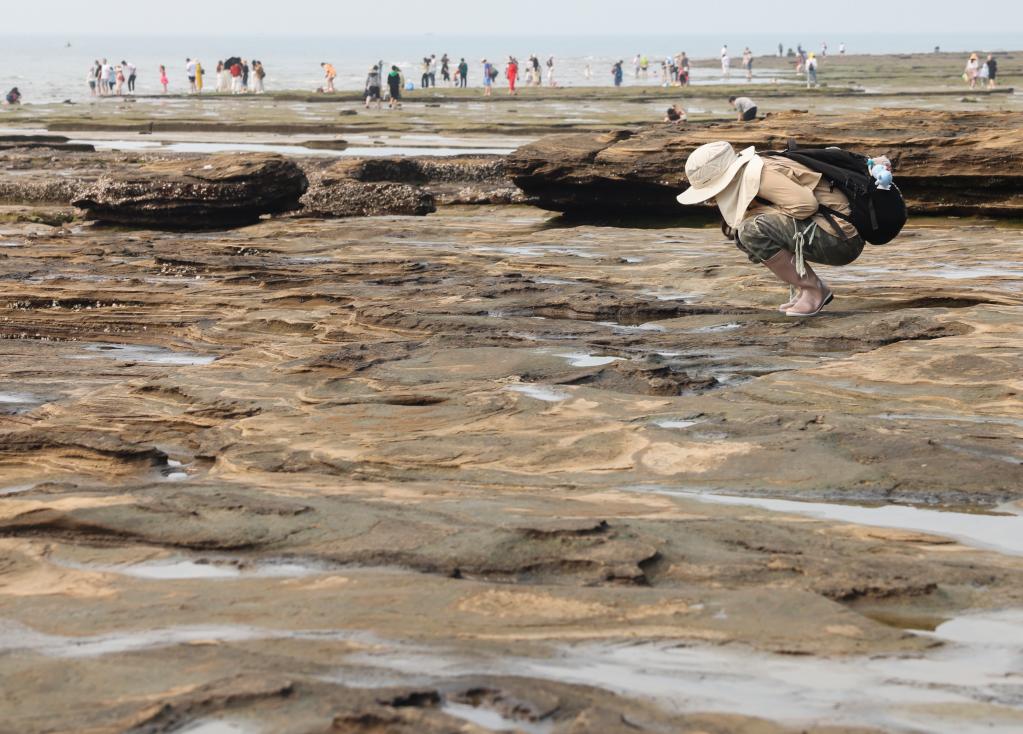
(945, 163)
(193, 194)
(390, 473)
(493, 469)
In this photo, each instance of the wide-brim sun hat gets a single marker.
(710, 168)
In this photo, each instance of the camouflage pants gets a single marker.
(765, 235)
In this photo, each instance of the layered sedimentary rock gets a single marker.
(30, 142)
(452, 180)
(345, 189)
(407, 186)
(342, 197)
(312, 446)
(195, 193)
(945, 162)
(355, 187)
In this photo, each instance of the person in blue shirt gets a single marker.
(488, 78)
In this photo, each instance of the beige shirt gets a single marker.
(797, 191)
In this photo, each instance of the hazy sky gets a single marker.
(497, 17)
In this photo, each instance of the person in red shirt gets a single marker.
(512, 72)
(236, 78)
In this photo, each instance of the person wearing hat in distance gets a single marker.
(770, 206)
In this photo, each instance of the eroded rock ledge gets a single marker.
(398, 185)
(214, 191)
(184, 191)
(951, 163)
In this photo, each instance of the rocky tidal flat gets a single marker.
(395, 450)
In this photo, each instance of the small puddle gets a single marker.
(491, 720)
(674, 423)
(217, 726)
(540, 392)
(954, 273)
(16, 489)
(144, 354)
(1000, 533)
(175, 471)
(311, 260)
(19, 402)
(672, 296)
(539, 251)
(588, 360)
(969, 684)
(177, 569)
(953, 418)
(15, 636)
(632, 327)
(285, 149)
(718, 328)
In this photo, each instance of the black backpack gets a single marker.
(878, 215)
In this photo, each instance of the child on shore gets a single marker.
(163, 78)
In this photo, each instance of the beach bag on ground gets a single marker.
(877, 214)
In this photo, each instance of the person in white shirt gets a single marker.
(104, 78)
(726, 62)
(190, 72)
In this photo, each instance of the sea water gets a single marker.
(50, 68)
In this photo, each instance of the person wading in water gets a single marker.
(777, 211)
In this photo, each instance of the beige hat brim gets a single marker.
(698, 194)
(734, 199)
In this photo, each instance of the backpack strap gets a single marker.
(829, 215)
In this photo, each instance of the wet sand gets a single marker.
(494, 469)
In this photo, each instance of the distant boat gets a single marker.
(68, 45)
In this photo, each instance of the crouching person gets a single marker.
(780, 213)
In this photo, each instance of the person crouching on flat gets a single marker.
(770, 206)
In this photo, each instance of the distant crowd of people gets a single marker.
(233, 76)
(106, 79)
(453, 76)
(450, 75)
(236, 75)
(674, 70)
